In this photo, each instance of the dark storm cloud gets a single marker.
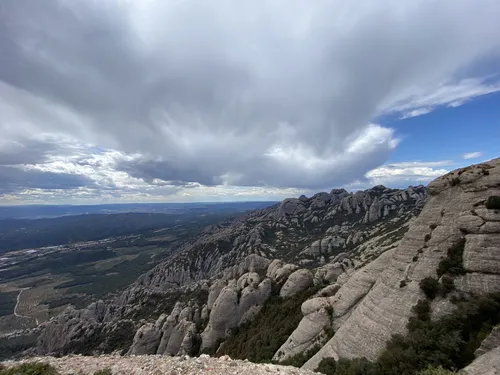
(26, 150)
(273, 93)
(14, 180)
(149, 170)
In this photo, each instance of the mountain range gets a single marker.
(360, 279)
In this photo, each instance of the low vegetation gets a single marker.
(430, 286)
(493, 202)
(39, 369)
(106, 371)
(259, 339)
(453, 263)
(299, 359)
(29, 369)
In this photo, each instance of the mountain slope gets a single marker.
(456, 217)
(222, 278)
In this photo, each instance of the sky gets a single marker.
(185, 100)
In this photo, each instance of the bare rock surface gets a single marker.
(156, 365)
(490, 342)
(446, 220)
(487, 364)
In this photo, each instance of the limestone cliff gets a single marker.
(455, 212)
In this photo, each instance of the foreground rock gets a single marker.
(487, 364)
(152, 364)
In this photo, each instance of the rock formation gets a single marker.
(455, 212)
(215, 282)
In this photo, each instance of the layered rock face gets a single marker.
(455, 212)
(221, 279)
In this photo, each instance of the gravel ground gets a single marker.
(160, 365)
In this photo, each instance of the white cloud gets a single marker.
(472, 155)
(185, 96)
(416, 112)
(407, 173)
(417, 101)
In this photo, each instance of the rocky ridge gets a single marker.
(222, 278)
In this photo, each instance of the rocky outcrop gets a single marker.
(321, 313)
(297, 282)
(489, 343)
(444, 222)
(487, 364)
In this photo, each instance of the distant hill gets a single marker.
(16, 233)
(47, 211)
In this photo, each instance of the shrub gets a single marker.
(329, 310)
(453, 263)
(447, 285)
(330, 332)
(299, 359)
(402, 283)
(430, 287)
(327, 366)
(422, 309)
(455, 181)
(427, 237)
(433, 226)
(30, 369)
(106, 371)
(493, 202)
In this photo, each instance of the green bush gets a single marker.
(106, 371)
(430, 286)
(453, 263)
(299, 359)
(327, 366)
(447, 285)
(422, 309)
(493, 202)
(357, 366)
(29, 369)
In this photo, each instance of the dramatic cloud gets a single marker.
(181, 96)
(13, 179)
(472, 155)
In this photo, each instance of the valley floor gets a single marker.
(156, 364)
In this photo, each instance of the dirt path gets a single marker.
(17, 303)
